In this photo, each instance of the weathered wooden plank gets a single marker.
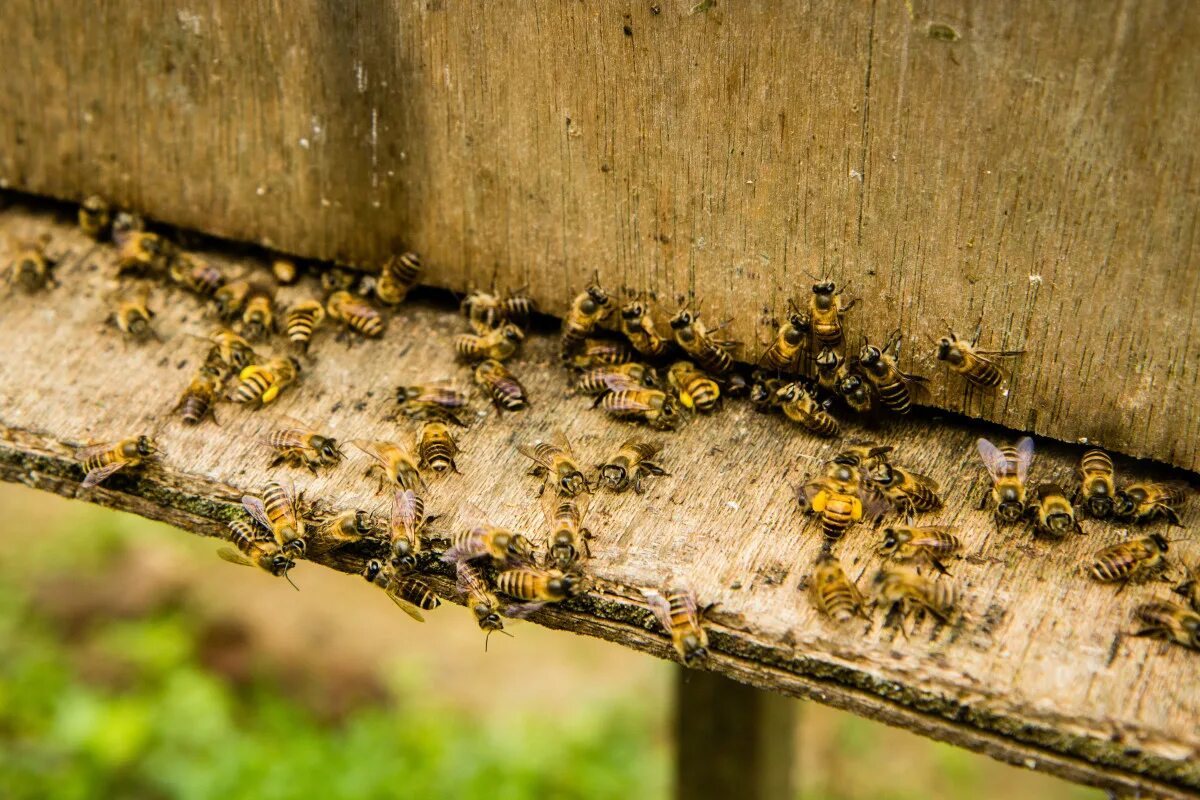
(1030, 163)
(1038, 677)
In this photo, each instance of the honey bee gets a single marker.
(396, 464)
(500, 344)
(1131, 561)
(1168, 621)
(258, 315)
(631, 465)
(31, 268)
(231, 298)
(232, 350)
(840, 498)
(432, 402)
(302, 321)
(679, 616)
(196, 275)
(601, 353)
(870, 456)
(895, 388)
(1052, 512)
(1147, 501)
(712, 354)
(907, 590)
(790, 345)
(637, 323)
(1190, 588)
(479, 538)
(125, 223)
(405, 525)
(284, 270)
(337, 530)
(537, 587)
(599, 380)
(133, 316)
(555, 461)
(355, 313)
(256, 548)
(833, 593)
(199, 398)
(398, 275)
(406, 590)
(799, 406)
(102, 460)
(264, 382)
(486, 312)
(480, 599)
(338, 279)
(764, 393)
(505, 391)
(95, 215)
(436, 447)
(694, 388)
(830, 370)
(1096, 484)
(568, 537)
(279, 511)
(857, 392)
(977, 366)
(825, 311)
(140, 251)
(588, 310)
(1007, 467)
(298, 445)
(934, 543)
(910, 492)
(656, 409)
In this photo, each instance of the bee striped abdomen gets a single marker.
(252, 387)
(370, 325)
(397, 277)
(417, 592)
(704, 393)
(302, 320)
(837, 516)
(982, 373)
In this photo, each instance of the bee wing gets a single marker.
(1024, 457)
(468, 581)
(659, 606)
(875, 503)
(560, 440)
(630, 404)
(407, 607)
(234, 557)
(521, 610)
(84, 453)
(291, 423)
(404, 513)
(617, 381)
(257, 510)
(993, 459)
(528, 451)
(96, 476)
(373, 449)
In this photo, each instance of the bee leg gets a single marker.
(939, 566)
(1171, 515)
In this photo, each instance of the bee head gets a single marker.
(1160, 541)
(693, 651)
(825, 288)
(827, 359)
(519, 548)
(788, 393)
(799, 322)
(869, 355)
(403, 555)
(890, 539)
(681, 320)
(633, 312)
(329, 449)
(281, 564)
(146, 446)
(598, 296)
(944, 348)
(573, 484)
(362, 522)
(1010, 510)
(850, 384)
(372, 570)
(1123, 505)
(513, 334)
(614, 476)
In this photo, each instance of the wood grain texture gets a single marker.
(1039, 676)
(1029, 163)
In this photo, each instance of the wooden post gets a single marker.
(731, 740)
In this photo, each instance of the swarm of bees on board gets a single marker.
(636, 364)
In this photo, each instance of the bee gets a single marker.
(555, 461)
(657, 409)
(935, 543)
(436, 447)
(1052, 512)
(601, 353)
(198, 400)
(500, 344)
(355, 313)
(133, 316)
(630, 466)
(480, 599)
(977, 366)
(432, 402)
(500, 385)
(232, 350)
(588, 310)
(397, 276)
(405, 525)
(764, 393)
(406, 590)
(1131, 561)
(895, 388)
(790, 345)
(256, 548)
(124, 224)
(1190, 589)
(679, 616)
(264, 382)
(1096, 484)
(1168, 621)
(870, 456)
(102, 460)
(337, 531)
(833, 593)
(599, 380)
(568, 537)
(231, 298)
(799, 406)
(1007, 467)
(713, 355)
(140, 251)
(284, 270)
(908, 590)
(196, 275)
(258, 315)
(858, 393)
(695, 389)
(396, 464)
(279, 511)
(486, 312)
(637, 323)
(479, 538)
(95, 215)
(537, 586)
(830, 370)
(908, 491)
(31, 268)
(1148, 501)
(840, 498)
(825, 312)
(338, 279)
(302, 321)
(298, 445)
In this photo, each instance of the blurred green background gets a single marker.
(135, 664)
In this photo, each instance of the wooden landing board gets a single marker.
(1037, 677)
